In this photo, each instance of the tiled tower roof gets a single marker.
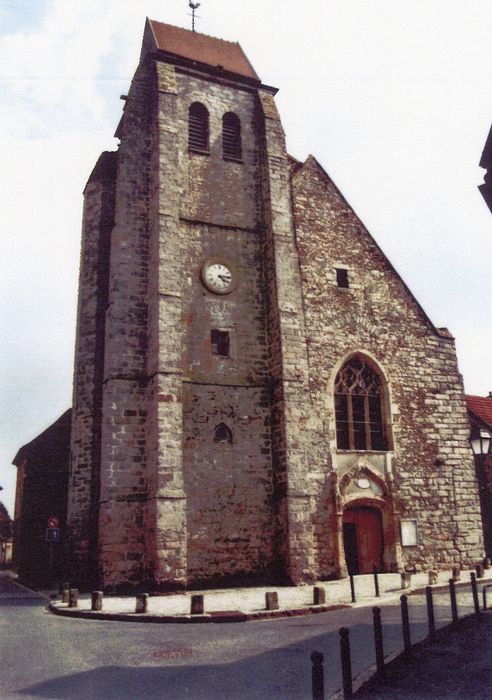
(200, 47)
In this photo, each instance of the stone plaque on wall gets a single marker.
(409, 533)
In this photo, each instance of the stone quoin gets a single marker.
(258, 396)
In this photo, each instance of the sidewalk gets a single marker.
(242, 604)
(457, 665)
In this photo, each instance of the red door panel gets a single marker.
(369, 537)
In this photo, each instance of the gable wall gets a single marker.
(379, 316)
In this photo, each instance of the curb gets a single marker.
(445, 586)
(224, 616)
(214, 616)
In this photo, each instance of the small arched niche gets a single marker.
(223, 435)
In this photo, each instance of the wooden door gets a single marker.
(351, 548)
(368, 551)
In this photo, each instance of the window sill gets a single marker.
(363, 452)
(232, 160)
(198, 151)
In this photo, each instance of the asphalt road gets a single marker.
(44, 656)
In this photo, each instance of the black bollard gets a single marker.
(346, 663)
(378, 640)
(73, 597)
(319, 595)
(352, 588)
(317, 676)
(65, 594)
(271, 600)
(454, 606)
(407, 643)
(430, 612)
(480, 571)
(476, 604)
(376, 582)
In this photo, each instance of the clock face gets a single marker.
(217, 277)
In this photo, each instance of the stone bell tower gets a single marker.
(191, 388)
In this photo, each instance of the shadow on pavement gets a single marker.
(457, 665)
(12, 600)
(149, 682)
(282, 673)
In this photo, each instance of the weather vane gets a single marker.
(194, 6)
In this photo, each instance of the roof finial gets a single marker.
(194, 6)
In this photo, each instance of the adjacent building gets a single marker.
(480, 417)
(41, 497)
(5, 537)
(486, 163)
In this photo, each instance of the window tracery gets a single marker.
(359, 407)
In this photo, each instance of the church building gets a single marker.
(258, 396)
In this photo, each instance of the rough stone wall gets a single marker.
(215, 190)
(165, 541)
(228, 486)
(295, 428)
(123, 482)
(172, 210)
(431, 473)
(83, 495)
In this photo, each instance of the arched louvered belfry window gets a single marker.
(231, 137)
(198, 128)
(360, 407)
(222, 434)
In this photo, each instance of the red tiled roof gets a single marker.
(200, 47)
(481, 406)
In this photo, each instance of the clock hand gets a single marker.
(224, 278)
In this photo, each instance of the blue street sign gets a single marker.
(52, 534)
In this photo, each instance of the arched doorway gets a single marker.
(363, 539)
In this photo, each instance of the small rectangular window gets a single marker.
(342, 277)
(219, 341)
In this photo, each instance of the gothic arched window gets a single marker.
(359, 407)
(198, 128)
(231, 137)
(222, 434)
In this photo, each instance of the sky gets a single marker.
(394, 99)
